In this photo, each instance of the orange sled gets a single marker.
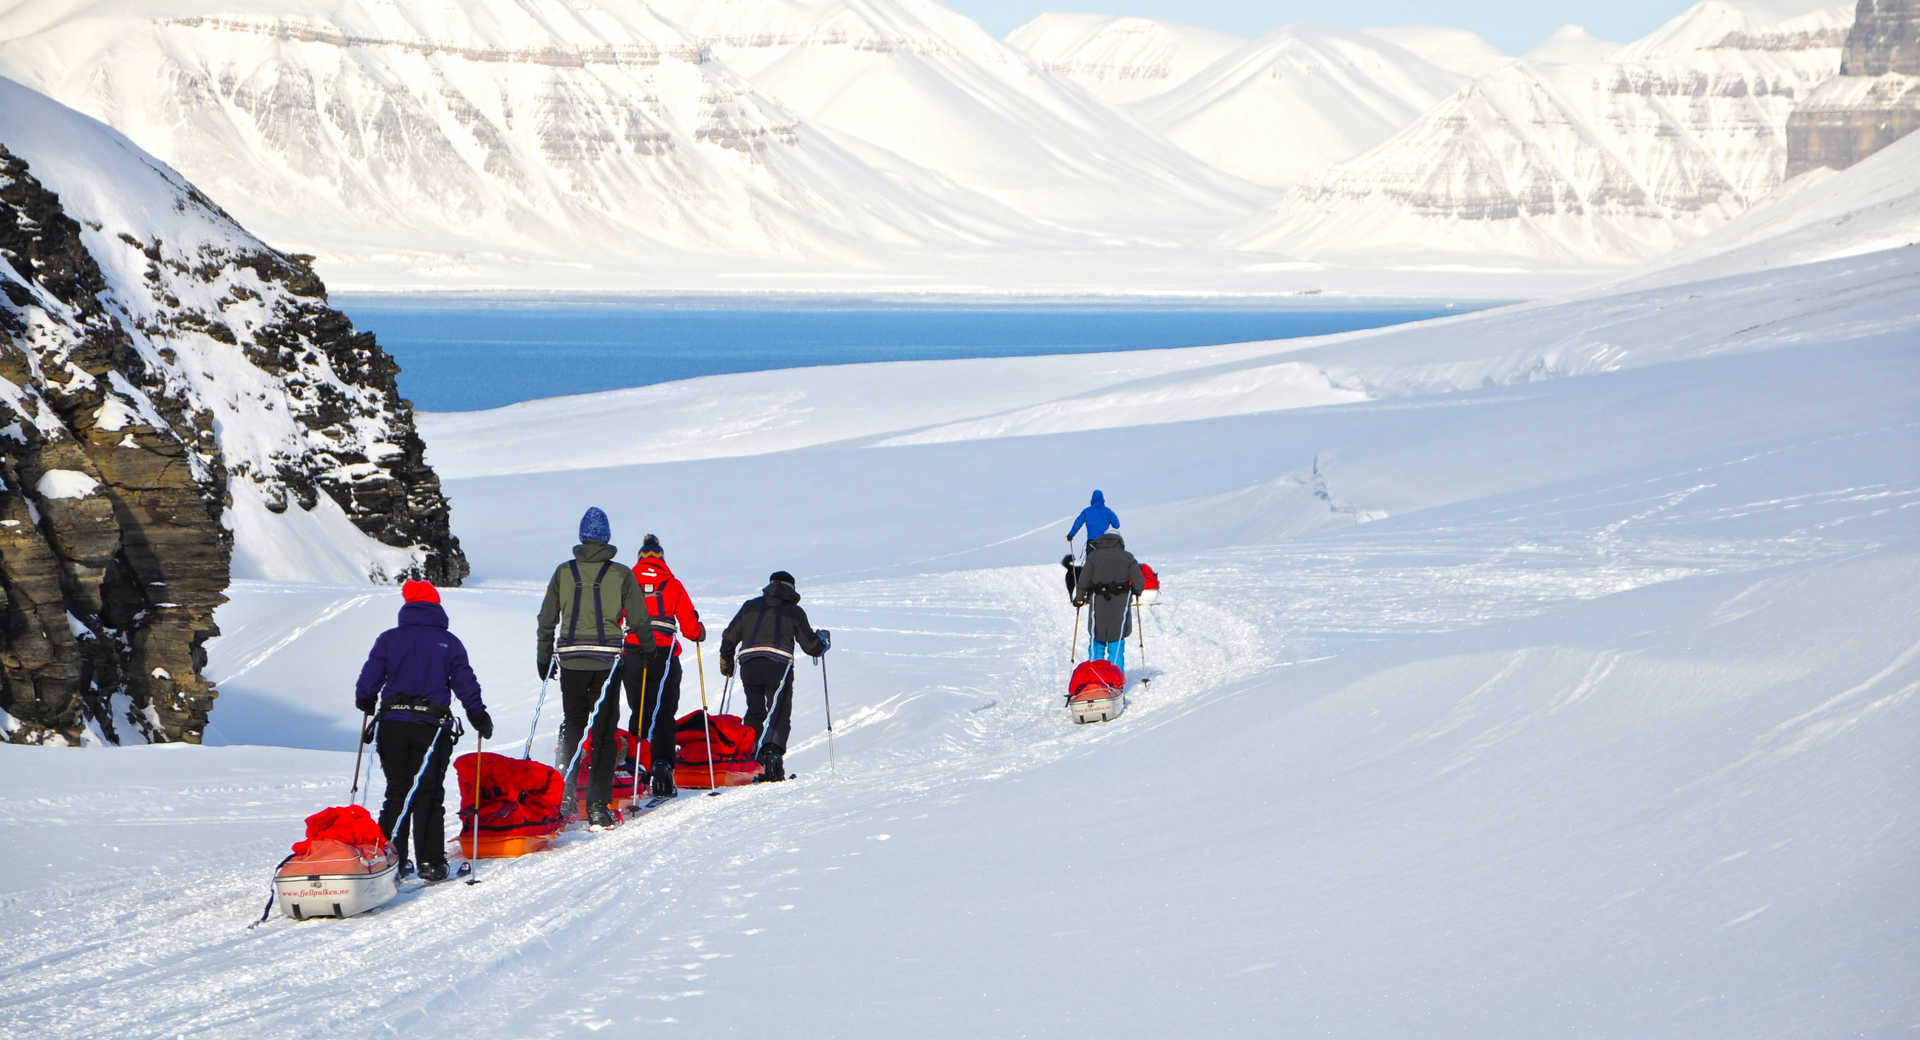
(518, 807)
(694, 775)
(1096, 693)
(344, 867)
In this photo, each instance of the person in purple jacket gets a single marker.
(407, 688)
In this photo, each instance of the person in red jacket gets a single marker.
(652, 668)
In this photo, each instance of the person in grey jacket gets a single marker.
(1109, 581)
(580, 630)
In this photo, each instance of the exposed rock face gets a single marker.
(112, 552)
(1876, 99)
(166, 379)
(1885, 38)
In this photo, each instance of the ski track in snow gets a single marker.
(640, 911)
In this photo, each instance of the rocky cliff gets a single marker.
(1874, 102)
(169, 384)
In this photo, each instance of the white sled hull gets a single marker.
(335, 895)
(1098, 709)
(1149, 597)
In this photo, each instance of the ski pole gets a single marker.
(700, 662)
(359, 751)
(1073, 648)
(1140, 628)
(473, 846)
(593, 723)
(641, 720)
(726, 694)
(833, 760)
(527, 752)
(406, 807)
(773, 707)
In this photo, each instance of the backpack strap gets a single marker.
(599, 616)
(573, 616)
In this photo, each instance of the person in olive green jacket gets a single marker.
(580, 625)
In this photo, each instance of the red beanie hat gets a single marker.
(419, 592)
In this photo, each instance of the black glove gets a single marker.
(366, 732)
(365, 704)
(826, 639)
(482, 723)
(726, 667)
(546, 667)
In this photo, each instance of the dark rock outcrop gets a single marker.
(143, 385)
(1874, 101)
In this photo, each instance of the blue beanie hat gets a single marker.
(593, 526)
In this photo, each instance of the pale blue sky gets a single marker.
(1511, 25)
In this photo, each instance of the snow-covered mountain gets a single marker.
(1820, 215)
(1297, 100)
(1121, 60)
(830, 133)
(932, 91)
(175, 397)
(1576, 163)
(1459, 51)
(1571, 45)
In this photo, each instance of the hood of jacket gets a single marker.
(1110, 540)
(781, 591)
(652, 570)
(431, 615)
(1098, 500)
(594, 552)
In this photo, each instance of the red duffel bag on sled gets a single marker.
(521, 806)
(715, 751)
(344, 867)
(1096, 692)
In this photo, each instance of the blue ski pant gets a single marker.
(1115, 651)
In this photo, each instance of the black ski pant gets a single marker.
(769, 701)
(404, 747)
(653, 679)
(580, 695)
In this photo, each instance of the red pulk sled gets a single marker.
(730, 756)
(625, 791)
(1097, 692)
(1152, 586)
(520, 806)
(344, 867)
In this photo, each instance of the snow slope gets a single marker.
(1562, 679)
(1573, 163)
(1297, 100)
(1120, 60)
(1820, 215)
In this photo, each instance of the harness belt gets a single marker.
(415, 703)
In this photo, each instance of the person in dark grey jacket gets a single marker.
(763, 633)
(580, 626)
(1109, 581)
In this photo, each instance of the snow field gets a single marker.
(1602, 724)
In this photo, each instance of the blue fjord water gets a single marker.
(464, 353)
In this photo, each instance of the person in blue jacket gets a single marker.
(409, 681)
(1096, 518)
